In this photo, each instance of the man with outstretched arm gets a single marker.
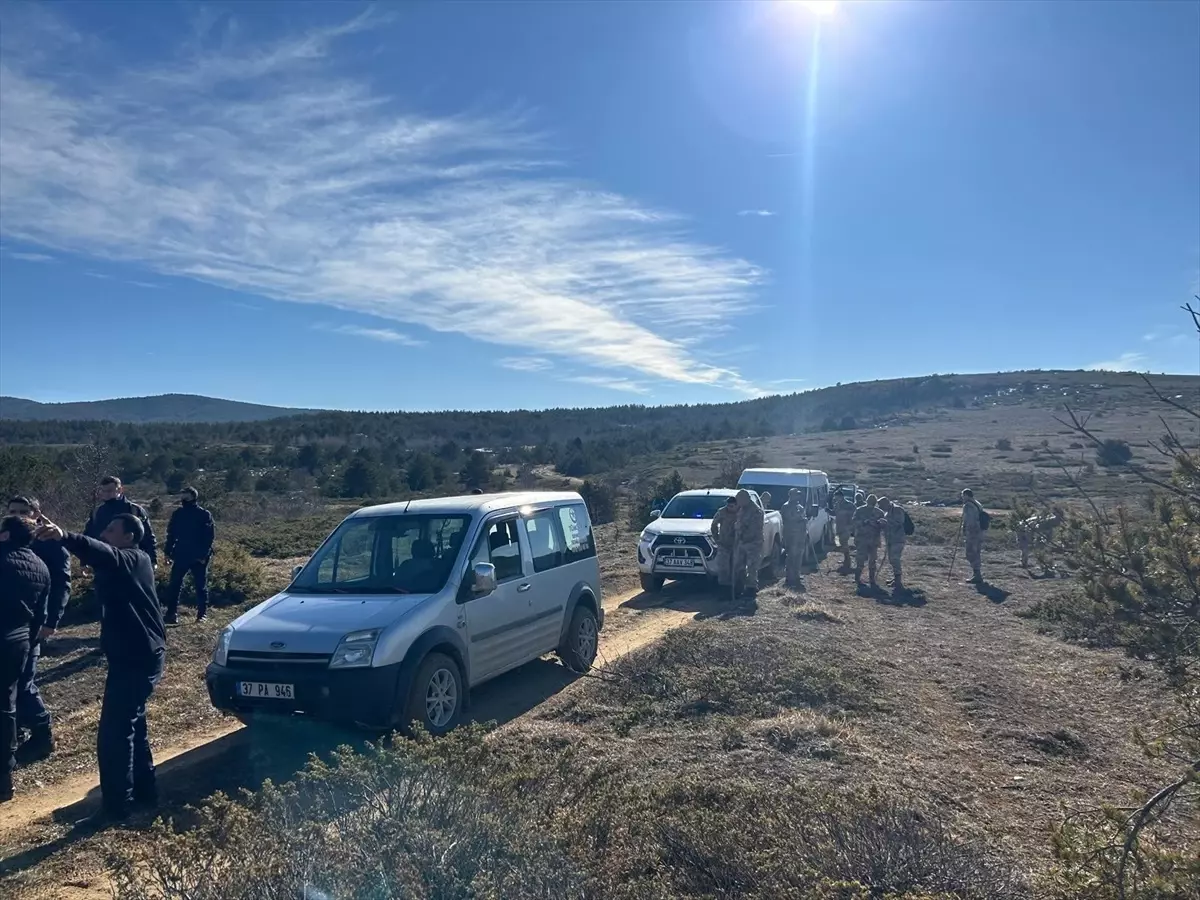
(31, 709)
(133, 639)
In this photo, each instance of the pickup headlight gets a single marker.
(221, 653)
(356, 649)
(646, 536)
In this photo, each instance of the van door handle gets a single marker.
(524, 587)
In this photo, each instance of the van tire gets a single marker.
(437, 676)
(651, 584)
(579, 647)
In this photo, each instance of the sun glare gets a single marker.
(822, 8)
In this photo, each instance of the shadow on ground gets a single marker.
(277, 748)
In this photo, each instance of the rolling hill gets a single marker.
(144, 410)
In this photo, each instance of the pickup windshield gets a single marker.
(385, 555)
(704, 506)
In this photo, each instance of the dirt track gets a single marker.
(633, 621)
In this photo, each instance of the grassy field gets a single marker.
(716, 753)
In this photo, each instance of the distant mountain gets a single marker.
(144, 410)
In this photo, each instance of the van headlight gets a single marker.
(221, 653)
(356, 649)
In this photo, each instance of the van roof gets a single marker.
(752, 474)
(470, 503)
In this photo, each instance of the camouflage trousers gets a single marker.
(746, 560)
(797, 552)
(974, 550)
(895, 550)
(843, 536)
(866, 552)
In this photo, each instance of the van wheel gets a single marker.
(436, 698)
(651, 584)
(578, 651)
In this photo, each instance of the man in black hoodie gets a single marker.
(24, 589)
(189, 546)
(134, 641)
(113, 503)
(31, 710)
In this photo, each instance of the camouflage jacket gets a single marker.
(750, 525)
(868, 523)
(722, 528)
(893, 528)
(794, 519)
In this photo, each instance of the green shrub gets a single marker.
(234, 577)
(282, 538)
(1004, 445)
(601, 500)
(1113, 452)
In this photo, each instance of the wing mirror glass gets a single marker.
(655, 513)
(296, 570)
(483, 579)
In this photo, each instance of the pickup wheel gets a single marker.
(578, 650)
(775, 559)
(651, 584)
(435, 700)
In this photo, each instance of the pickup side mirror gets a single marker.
(296, 570)
(483, 579)
(655, 513)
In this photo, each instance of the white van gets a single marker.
(407, 606)
(814, 486)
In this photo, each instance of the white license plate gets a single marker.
(266, 690)
(677, 562)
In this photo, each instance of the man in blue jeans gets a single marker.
(190, 536)
(134, 642)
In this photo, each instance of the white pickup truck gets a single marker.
(678, 541)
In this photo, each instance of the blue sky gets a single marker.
(500, 205)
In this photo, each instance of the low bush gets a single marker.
(467, 817)
(234, 577)
(601, 500)
(282, 538)
(1004, 445)
(1113, 452)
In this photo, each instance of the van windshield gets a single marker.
(385, 555)
(778, 492)
(704, 506)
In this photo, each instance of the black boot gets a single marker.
(6, 788)
(39, 746)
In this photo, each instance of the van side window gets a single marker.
(501, 547)
(577, 532)
(545, 545)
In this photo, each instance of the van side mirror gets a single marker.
(655, 513)
(483, 579)
(296, 570)
(814, 511)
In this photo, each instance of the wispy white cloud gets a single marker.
(755, 212)
(778, 382)
(31, 257)
(524, 363)
(612, 383)
(264, 170)
(386, 335)
(99, 275)
(1126, 362)
(146, 284)
(1151, 336)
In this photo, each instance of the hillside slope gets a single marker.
(142, 410)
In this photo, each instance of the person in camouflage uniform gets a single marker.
(843, 517)
(747, 551)
(893, 532)
(724, 534)
(973, 532)
(795, 536)
(868, 527)
(1035, 531)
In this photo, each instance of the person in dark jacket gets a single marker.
(113, 503)
(31, 709)
(190, 536)
(134, 642)
(24, 590)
